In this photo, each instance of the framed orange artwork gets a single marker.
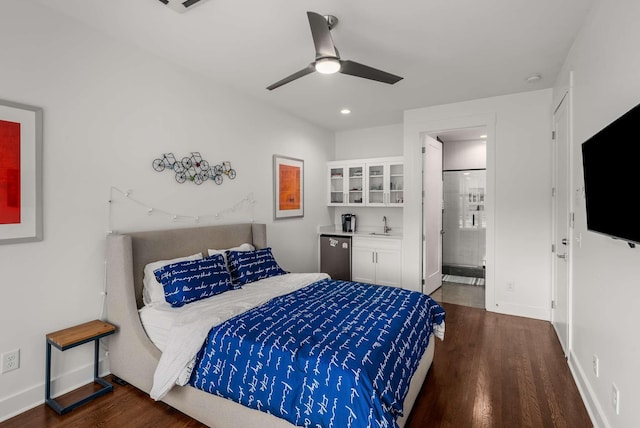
(288, 187)
(20, 173)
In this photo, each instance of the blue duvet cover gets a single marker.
(332, 354)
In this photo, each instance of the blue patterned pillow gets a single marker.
(188, 281)
(250, 266)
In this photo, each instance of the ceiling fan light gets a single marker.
(327, 65)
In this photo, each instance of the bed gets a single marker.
(133, 357)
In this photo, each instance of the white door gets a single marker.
(561, 227)
(432, 214)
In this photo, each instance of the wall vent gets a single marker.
(180, 5)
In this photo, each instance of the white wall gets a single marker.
(518, 200)
(376, 142)
(109, 110)
(606, 287)
(379, 141)
(460, 155)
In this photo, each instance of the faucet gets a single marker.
(386, 228)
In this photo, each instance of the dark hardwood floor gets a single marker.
(491, 370)
(497, 370)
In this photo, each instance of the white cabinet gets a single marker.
(367, 182)
(385, 183)
(377, 261)
(346, 184)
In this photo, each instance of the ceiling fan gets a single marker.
(328, 59)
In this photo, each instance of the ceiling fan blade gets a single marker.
(298, 74)
(360, 70)
(321, 36)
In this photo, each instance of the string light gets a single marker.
(241, 205)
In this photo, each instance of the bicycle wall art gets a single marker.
(195, 169)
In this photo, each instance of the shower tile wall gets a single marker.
(464, 220)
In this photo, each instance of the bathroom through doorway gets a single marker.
(463, 216)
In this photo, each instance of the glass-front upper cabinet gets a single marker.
(346, 184)
(385, 183)
(396, 184)
(376, 185)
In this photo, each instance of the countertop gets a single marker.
(365, 233)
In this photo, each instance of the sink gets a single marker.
(379, 233)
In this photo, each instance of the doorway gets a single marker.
(464, 220)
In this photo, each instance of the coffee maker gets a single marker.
(348, 223)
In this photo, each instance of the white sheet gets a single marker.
(190, 324)
(157, 321)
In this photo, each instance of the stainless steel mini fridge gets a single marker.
(335, 256)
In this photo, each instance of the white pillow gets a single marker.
(243, 247)
(152, 290)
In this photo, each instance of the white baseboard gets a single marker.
(29, 398)
(521, 310)
(589, 398)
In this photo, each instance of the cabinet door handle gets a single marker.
(373, 257)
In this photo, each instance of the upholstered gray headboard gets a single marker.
(168, 244)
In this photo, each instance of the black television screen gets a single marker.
(611, 164)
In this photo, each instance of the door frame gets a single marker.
(567, 169)
(473, 121)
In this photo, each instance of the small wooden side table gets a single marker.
(70, 338)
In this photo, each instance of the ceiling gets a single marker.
(446, 50)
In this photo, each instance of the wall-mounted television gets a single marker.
(611, 166)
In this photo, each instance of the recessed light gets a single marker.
(483, 136)
(345, 111)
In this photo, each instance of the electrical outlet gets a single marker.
(596, 365)
(615, 398)
(511, 286)
(10, 361)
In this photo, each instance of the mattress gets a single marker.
(158, 319)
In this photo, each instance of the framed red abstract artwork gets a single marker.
(288, 187)
(20, 173)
